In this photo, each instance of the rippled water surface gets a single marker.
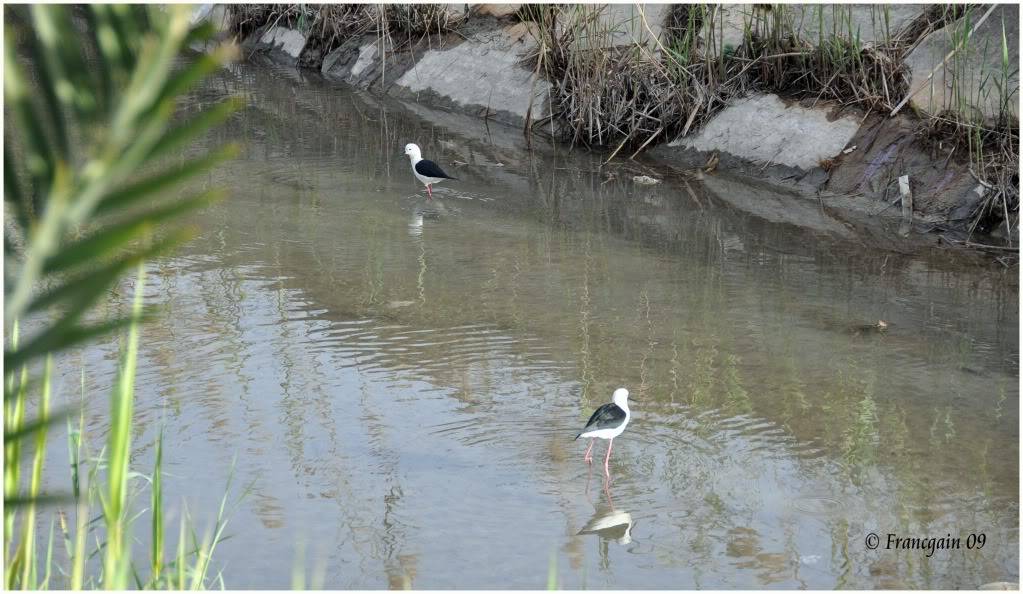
(399, 381)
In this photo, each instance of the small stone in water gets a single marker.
(645, 180)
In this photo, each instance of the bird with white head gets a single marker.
(607, 422)
(426, 171)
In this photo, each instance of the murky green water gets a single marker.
(400, 381)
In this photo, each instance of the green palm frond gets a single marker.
(91, 96)
(74, 240)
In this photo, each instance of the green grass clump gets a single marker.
(107, 485)
(91, 163)
(989, 142)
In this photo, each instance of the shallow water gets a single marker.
(398, 381)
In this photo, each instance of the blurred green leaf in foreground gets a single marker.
(94, 162)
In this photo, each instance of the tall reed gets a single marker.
(990, 142)
(117, 553)
(110, 491)
(83, 215)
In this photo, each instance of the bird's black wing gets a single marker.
(605, 417)
(427, 168)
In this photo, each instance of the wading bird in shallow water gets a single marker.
(607, 422)
(426, 171)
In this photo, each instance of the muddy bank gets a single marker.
(818, 154)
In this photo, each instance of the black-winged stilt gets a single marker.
(426, 171)
(607, 422)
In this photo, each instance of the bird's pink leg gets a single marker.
(608, 457)
(588, 457)
(429, 191)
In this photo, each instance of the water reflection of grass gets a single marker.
(680, 326)
(677, 333)
(736, 395)
(700, 372)
(861, 438)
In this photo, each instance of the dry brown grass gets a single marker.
(993, 153)
(605, 95)
(419, 20)
(327, 26)
(633, 96)
(839, 70)
(611, 96)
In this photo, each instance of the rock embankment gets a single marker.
(486, 65)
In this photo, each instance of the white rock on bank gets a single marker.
(456, 10)
(288, 41)
(497, 10)
(216, 15)
(763, 128)
(728, 25)
(976, 69)
(484, 73)
(867, 22)
(367, 54)
(621, 24)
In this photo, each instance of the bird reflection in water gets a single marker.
(608, 523)
(425, 212)
(415, 227)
